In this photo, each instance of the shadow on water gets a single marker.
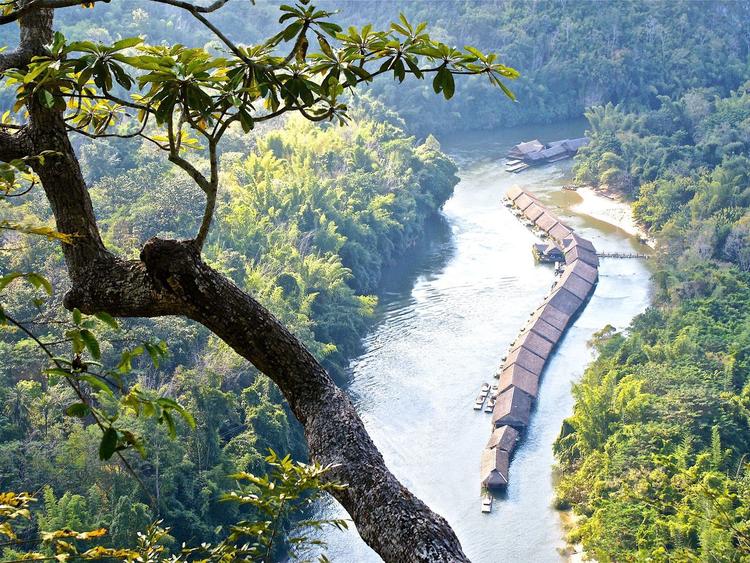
(427, 258)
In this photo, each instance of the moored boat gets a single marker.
(479, 402)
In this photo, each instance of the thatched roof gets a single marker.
(580, 268)
(513, 193)
(565, 301)
(575, 284)
(535, 343)
(575, 252)
(548, 251)
(516, 376)
(554, 316)
(533, 211)
(559, 231)
(572, 145)
(526, 359)
(575, 238)
(512, 408)
(541, 327)
(523, 201)
(535, 156)
(527, 147)
(553, 151)
(494, 468)
(546, 221)
(503, 438)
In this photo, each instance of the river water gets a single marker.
(444, 322)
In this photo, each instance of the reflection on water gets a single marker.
(445, 322)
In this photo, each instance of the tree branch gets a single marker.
(194, 8)
(388, 517)
(172, 279)
(208, 212)
(34, 5)
(14, 59)
(77, 390)
(14, 145)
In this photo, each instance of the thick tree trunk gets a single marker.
(172, 279)
(389, 518)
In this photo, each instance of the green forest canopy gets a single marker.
(654, 458)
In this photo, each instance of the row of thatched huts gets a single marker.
(522, 368)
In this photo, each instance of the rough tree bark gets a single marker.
(172, 279)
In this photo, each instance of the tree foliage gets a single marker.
(287, 490)
(654, 458)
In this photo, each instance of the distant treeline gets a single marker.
(571, 54)
(655, 456)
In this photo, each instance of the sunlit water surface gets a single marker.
(444, 322)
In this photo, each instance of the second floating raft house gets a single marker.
(534, 153)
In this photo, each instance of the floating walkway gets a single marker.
(621, 255)
(522, 368)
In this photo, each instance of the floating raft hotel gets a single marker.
(534, 153)
(520, 373)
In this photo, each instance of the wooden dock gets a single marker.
(521, 370)
(621, 255)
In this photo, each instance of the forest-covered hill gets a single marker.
(572, 55)
(654, 457)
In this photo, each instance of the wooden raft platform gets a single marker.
(521, 370)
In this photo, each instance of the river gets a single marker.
(445, 320)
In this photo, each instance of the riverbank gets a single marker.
(610, 208)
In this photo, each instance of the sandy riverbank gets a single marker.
(572, 553)
(605, 207)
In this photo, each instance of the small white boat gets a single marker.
(485, 387)
(487, 504)
(490, 406)
(494, 389)
(479, 402)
